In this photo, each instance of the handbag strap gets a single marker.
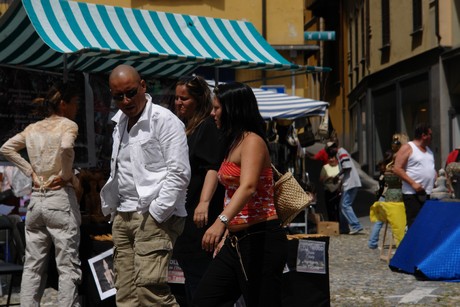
(277, 173)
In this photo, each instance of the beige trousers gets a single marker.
(52, 217)
(142, 250)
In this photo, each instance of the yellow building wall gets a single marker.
(285, 22)
(248, 10)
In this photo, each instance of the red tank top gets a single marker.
(260, 206)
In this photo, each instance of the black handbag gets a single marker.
(305, 134)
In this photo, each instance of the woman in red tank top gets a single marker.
(250, 245)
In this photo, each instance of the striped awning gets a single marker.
(276, 105)
(59, 35)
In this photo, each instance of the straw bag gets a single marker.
(290, 197)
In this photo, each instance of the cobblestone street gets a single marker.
(359, 278)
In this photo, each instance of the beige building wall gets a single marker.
(404, 44)
(369, 67)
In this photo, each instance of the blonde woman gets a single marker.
(53, 215)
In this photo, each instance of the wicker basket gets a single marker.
(290, 197)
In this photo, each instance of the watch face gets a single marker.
(224, 219)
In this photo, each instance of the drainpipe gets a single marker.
(293, 54)
(342, 52)
(264, 34)
(436, 16)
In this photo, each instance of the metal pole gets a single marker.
(65, 74)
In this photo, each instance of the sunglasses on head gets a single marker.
(188, 79)
(129, 94)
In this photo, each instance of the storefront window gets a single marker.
(415, 103)
(385, 120)
(358, 139)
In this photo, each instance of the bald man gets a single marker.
(414, 164)
(145, 193)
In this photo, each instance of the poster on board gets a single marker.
(102, 270)
(311, 257)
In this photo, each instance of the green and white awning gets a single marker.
(57, 34)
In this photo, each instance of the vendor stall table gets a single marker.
(431, 247)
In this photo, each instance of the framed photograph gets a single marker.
(311, 257)
(102, 270)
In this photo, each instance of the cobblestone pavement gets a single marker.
(358, 277)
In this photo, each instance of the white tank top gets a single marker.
(420, 167)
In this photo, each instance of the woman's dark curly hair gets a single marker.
(240, 112)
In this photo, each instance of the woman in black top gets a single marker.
(204, 195)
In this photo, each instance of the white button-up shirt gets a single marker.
(159, 156)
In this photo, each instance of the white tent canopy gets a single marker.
(273, 105)
(277, 105)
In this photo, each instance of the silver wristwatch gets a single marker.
(223, 219)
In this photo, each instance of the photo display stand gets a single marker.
(102, 270)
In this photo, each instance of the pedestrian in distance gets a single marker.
(331, 190)
(414, 164)
(350, 185)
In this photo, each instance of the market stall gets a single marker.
(67, 36)
(69, 39)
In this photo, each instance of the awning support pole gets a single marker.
(216, 76)
(65, 74)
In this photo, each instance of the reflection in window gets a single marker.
(385, 119)
(415, 104)
(358, 140)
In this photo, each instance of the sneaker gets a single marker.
(373, 246)
(353, 231)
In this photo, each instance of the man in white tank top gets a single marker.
(414, 164)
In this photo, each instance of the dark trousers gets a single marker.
(332, 200)
(413, 203)
(194, 268)
(263, 254)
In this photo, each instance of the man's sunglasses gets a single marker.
(129, 94)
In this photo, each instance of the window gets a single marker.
(363, 44)
(356, 48)
(358, 129)
(385, 23)
(350, 55)
(368, 36)
(384, 119)
(417, 15)
(415, 95)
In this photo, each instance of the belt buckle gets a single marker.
(234, 241)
